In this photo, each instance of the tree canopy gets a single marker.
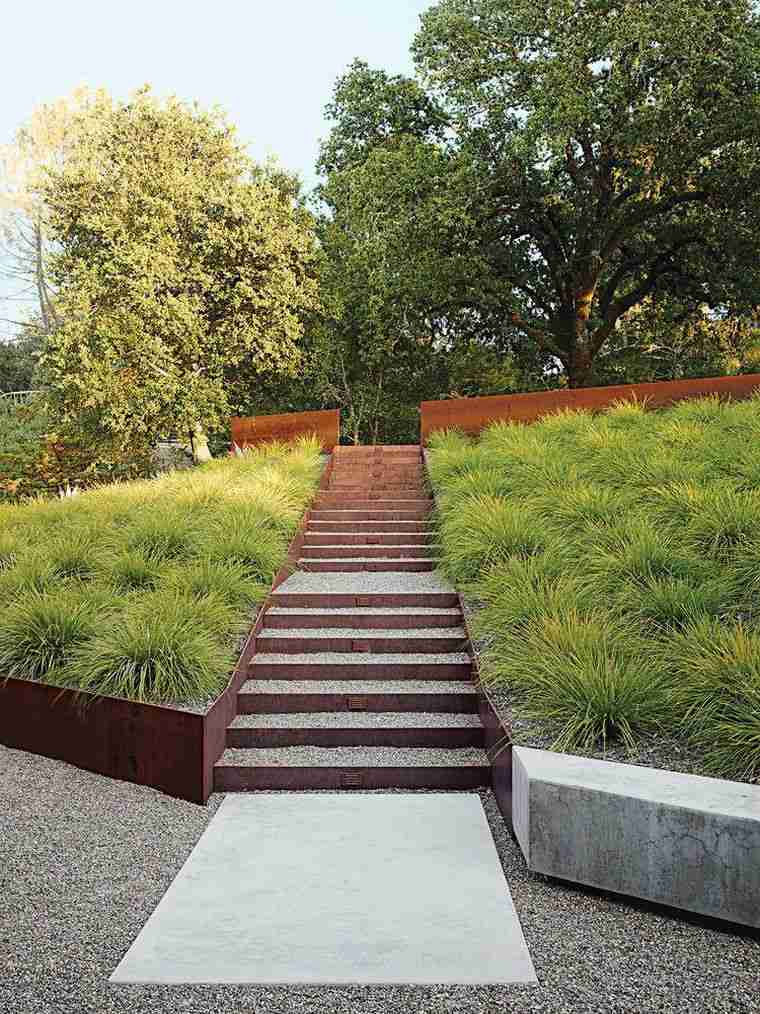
(555, 167)
(181, 267)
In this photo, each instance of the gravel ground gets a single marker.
(358, 687)
(84, 860)
(364, 611)
(363, 583)
(360, 658)
(362, 632)
(353, 756)
(357, 720)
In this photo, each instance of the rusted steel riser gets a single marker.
(300, 645)
(357, 620)
(297, 704)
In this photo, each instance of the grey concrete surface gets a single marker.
(304, 888)
(677, 839)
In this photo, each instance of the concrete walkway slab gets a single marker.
(337, 889)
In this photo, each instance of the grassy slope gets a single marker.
(142, 589)
(615, 561)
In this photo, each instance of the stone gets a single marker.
(681, 840)
(308, 888)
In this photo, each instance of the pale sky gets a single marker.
(270, 65)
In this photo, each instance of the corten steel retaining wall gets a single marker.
(165, 748)
(247, 431)
(498, 737)
(473, 414)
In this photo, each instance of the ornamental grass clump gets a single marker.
(716, 694)
(40, 633)
(585, 675)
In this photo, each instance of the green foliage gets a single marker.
(142, 589)
(40, 633)
(182, 270)
(561, 183)
(615, 559)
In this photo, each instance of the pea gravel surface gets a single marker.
(84, 860)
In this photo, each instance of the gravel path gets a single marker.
(84, 860)
(353, 756)
(358, 687)
(357, 720)
(337, 658)
(363, 582)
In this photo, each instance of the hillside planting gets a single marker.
(614, 563)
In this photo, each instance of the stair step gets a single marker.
(319, 538)
(355, 665)
(357, 728)
(351, 768)
(317, 527)
(336, 551)
(357, 640)
(378, 618)
(349, 515)
(304, 696)
(364, 563)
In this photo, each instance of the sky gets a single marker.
(270, 64)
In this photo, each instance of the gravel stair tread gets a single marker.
(356, 720)
(364, 583)
(361, 633)
(336, 658)
(358, 687)
(353, 756)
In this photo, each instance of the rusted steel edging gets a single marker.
(155, 745)
(473, 414)
(249, 431)
(498, 741)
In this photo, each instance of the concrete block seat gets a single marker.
(681, 840)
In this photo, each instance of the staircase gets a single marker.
(361, 676)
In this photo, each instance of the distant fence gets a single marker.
(14, 399)
(260, 429)
(473, 414)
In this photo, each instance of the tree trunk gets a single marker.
(199, 445)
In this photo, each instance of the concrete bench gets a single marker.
(680, 840)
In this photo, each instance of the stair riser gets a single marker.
(337, 501)
(368, 645)
(337, 566)
(330, 600)
(234, 779)
(298, 704)
(369, 515)
(444, 737)
(348, 550)
(360, 671)
(380, 539)
(303, 621)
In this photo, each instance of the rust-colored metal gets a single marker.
(473, 414)
(143, 743)
(248, 431)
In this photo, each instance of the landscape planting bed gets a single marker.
(610, 564)
(126, 610)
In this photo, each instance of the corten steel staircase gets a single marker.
(361, 677)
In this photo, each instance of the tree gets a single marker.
(183, 268)
(45, 142)
(591, 155)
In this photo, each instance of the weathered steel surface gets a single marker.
(248, 431)
(143, 743)
(474, 414)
